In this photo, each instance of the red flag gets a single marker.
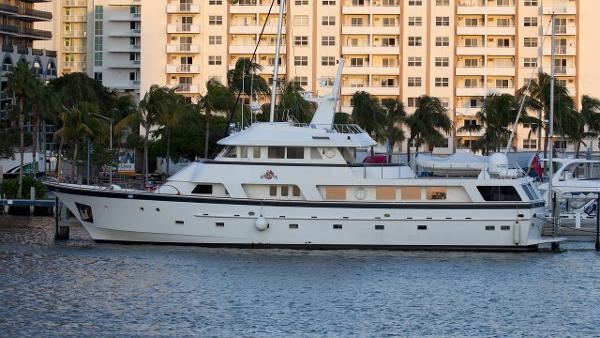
(537, 167)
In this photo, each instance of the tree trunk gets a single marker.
(146, 154)
(34, 147)
(168, 151)
(410, 140)
(21, 147)
(206, 137)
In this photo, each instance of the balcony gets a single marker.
(371, 70)
(7, 9)
(74, 49)
(562, 30)
(479, 7)
(373, 90)
(9, 29)
(564, 71)
(183, 69)
(252, 9)
(75, 3)
(185, 88)
(122, 16)
(74, 34)
(485, 30)
(75, 18)
(183, 28)
(74, 64)
(371, 9)
(461, 70)
(183, 8)
(249, 49)
(471, 91)
(36, 34)
(564, 10)
(560, 50)
(254, 29)
(467, 111)
(184, 48)
(380, 50)
(371, 29)
(34, 15)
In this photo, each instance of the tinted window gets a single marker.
(202, 189)
(499, 193)
(276, 152)
(295, 152)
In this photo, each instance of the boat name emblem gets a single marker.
(269, 175)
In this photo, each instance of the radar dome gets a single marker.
(497, 164)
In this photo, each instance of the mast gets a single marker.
(276, 66)
(551, 132)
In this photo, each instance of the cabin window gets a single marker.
(335, 193)
(295, 191)
(256, 152)
(284, 190)
(295, 152)
(243, 152)
(315, 154)
(273, 190)
(436, 193)
(230, 152)
(203, 189)
(277, 152)
(410, 193)
(385, 193)
(499, 193)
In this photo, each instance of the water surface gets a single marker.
(82, 288)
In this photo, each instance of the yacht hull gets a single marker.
(127, 216)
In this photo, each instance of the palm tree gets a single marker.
(292, 103)
(539, 100)
(77, 125)
(590, 118)
(243, 79)
(21, 83)
(218, 98)
(368, 113)
(45, 106)
(170, 117)
(424, 125)
(394, 117)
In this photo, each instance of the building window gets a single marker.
(530, 21)
(442, 41)
(502, 83)
(529, 62)
(301, 2)
(328, 61)
(214, 60)
(529, 144)
(441, 82)
(412, 102)
(414, 81)
(301, 80)
(442, 2)
(442, 21)
(301, 40)
(328, 41)
(300, 60)
(215, 20)
(328, 21)
(530, 42)
(415, 21)
(215, 40)
(415, 2)
(328, 2)
(98, 59)
(414, 61)
(215, 2)
(531, 2)
(415, 41)
(98, 76)
(300, 20)
(443, 61)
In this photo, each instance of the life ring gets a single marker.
(360, 194)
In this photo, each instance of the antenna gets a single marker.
(276, 66)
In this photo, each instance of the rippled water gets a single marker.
(79, 287)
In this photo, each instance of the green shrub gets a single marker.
(9, 188)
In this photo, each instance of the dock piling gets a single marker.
(598, 223)
(61, 231)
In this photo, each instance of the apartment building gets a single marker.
(100, 38)
(456, 50)
(17, 35)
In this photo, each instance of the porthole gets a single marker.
(421, 227)
(141, 208)
(179, 221)
(490, 228)
(293, 226)
(251, 213)
(220, 224)
(157, 209)
(379, 227)
(505, 227)
(337, 226)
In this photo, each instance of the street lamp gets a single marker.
(110, 121)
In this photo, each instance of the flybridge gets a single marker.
(336, 128)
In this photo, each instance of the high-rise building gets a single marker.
(17, 34)
(456, 50)
(100, 38)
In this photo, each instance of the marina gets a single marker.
(80, 287)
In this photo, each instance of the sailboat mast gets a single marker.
(276, 66)
(551, 128)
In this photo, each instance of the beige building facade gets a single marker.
(100, 38)
(456, 50)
